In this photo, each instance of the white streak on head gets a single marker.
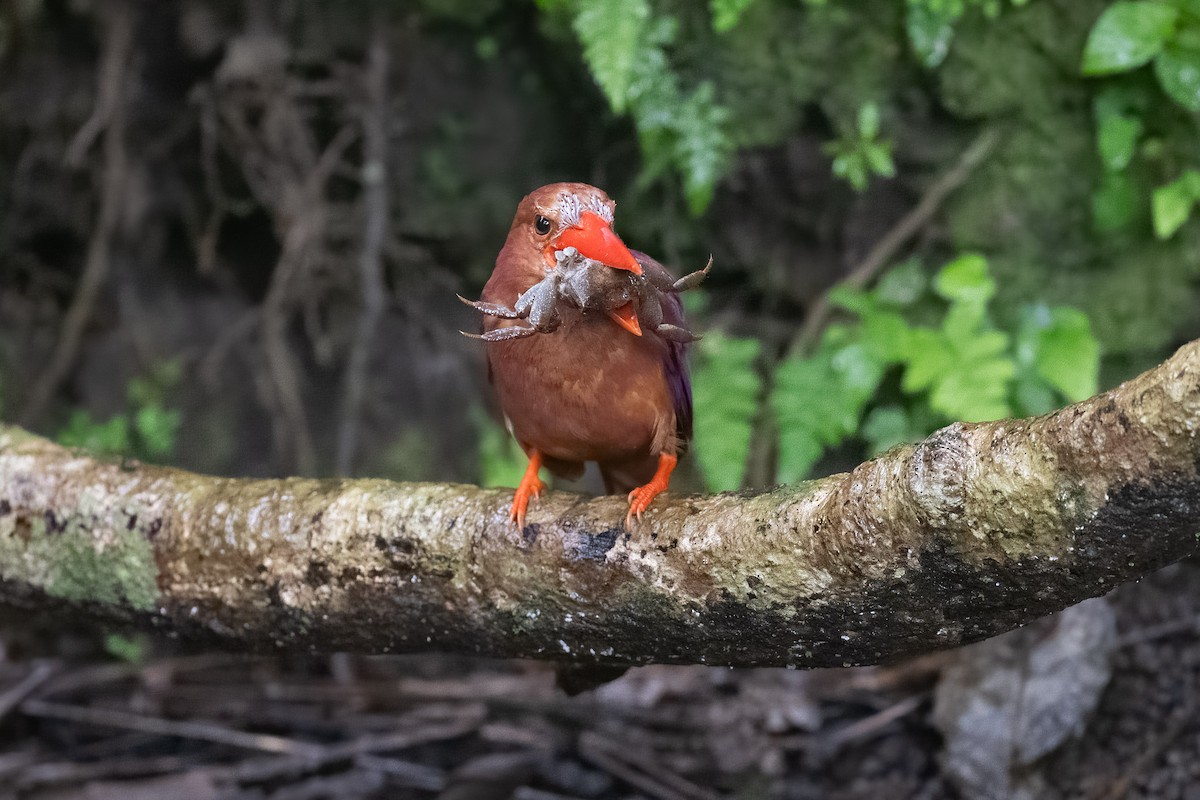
(570, 206)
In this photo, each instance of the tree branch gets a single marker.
(972, 532)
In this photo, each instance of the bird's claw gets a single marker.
(531, 486)
(525, 493)
(641, 497)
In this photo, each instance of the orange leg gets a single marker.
(641, 497)
(531, 486)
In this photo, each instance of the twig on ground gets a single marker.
(51, 773)
(526, 793)
(17, 694)
(201, 731)
(866, 728)
(1180, 722)
(1174, 627)
(638, 771)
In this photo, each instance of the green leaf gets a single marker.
(966, 279)
(964, 319)
(1068, 355)
(858, 371)
(726, 387)
(1178, 72)
(130, 649)
(1189, 8)
(975, 386)
(868, 121)
(1128, 35)
(802, 386)
(886, 427)
(976, 395)
(799, 450)
(1116, 139)
(156, 428)
(1171, 205)
(727, 13)
(684, 131)
(851, 299)
(611, 33)
(887, 336)
(853, 168)
(903, 284)
(1115, 204)
(929, 356)
(702, 148)
(818, 401)
(878, 156)
(109, 438)
(930, 32)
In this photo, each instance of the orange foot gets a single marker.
(641, 497)
(531, 486)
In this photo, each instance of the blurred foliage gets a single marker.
(725, 391)
(951, 360)
(1127, 36)
(501, 462)
(914, 355)
(784, 137)
(1115, 145)
(132, 649)
(930, 24)
(148, 427)
(626, 46)
(860, 153)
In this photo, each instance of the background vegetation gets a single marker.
(231, 234)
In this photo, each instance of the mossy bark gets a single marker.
(976, 530)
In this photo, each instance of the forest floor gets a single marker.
(75, 723)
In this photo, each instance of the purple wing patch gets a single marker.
(675, 359)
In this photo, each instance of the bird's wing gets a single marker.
(675, 357)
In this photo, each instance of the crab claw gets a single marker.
(594, 238)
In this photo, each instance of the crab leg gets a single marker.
(494, 309)
(503, 334)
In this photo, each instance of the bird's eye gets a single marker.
(541, 225)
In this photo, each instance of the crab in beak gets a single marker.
(595, 239)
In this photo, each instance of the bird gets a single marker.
(599, 388)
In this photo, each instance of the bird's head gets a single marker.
(563, 215)
(558, 216)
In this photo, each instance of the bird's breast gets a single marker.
(590, 391)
